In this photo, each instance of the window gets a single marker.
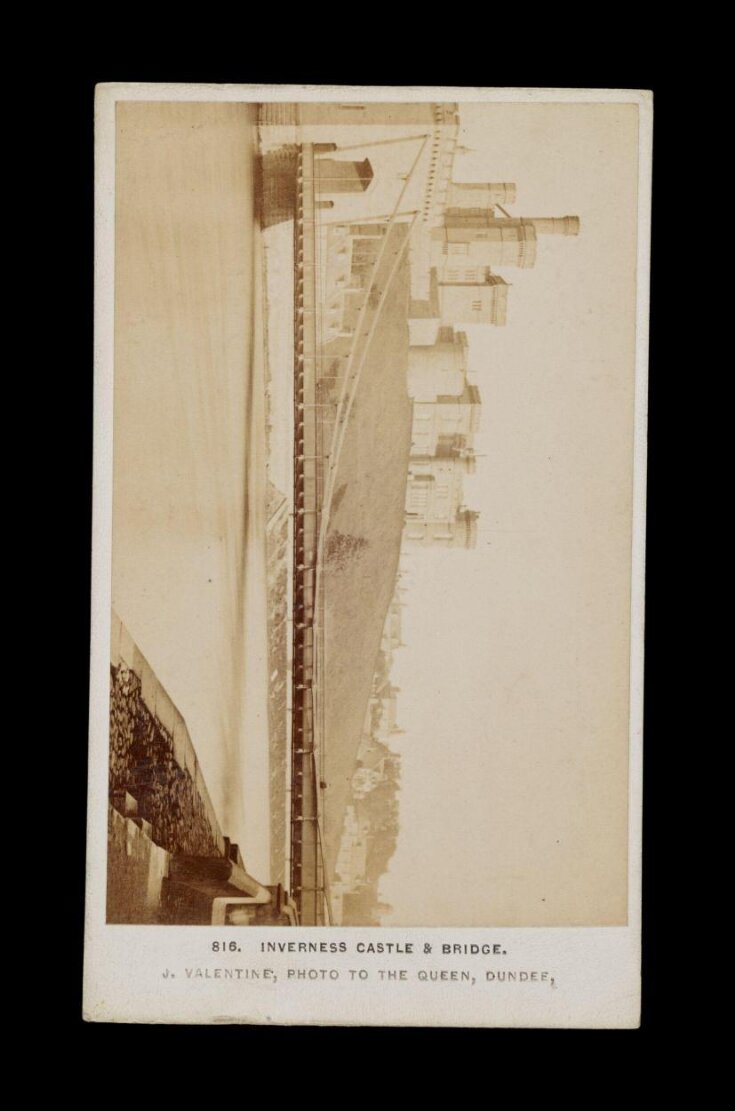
(418, 499)
(477, 306)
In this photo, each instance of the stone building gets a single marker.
(416, 138)
(439, 368)
(442, 439)
(350, 254)
(276, 180)
(473, 296)
(444, 426)
(480, 195)
(434, 498)
(460, 295)
(458, 531)
(475, 238)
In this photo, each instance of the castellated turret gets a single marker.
(555, 225)
(477, 237)
(473, 296)
(439, 368)
(480, 194)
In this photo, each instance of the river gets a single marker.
(189, 447)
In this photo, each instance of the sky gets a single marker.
(514, 681)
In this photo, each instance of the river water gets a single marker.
(189, 448)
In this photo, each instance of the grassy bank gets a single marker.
(364, 545)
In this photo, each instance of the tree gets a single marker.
(343, 547)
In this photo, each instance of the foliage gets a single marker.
(342, 548)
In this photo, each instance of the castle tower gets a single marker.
(480, 195)
(476, 237)
(439, 368)
(444, 426)
(458, 531)
(479, 219)
(554, 225)
(473, 296)
(336, 176)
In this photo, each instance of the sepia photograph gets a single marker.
(374, 390)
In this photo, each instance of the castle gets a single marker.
(400, 168)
